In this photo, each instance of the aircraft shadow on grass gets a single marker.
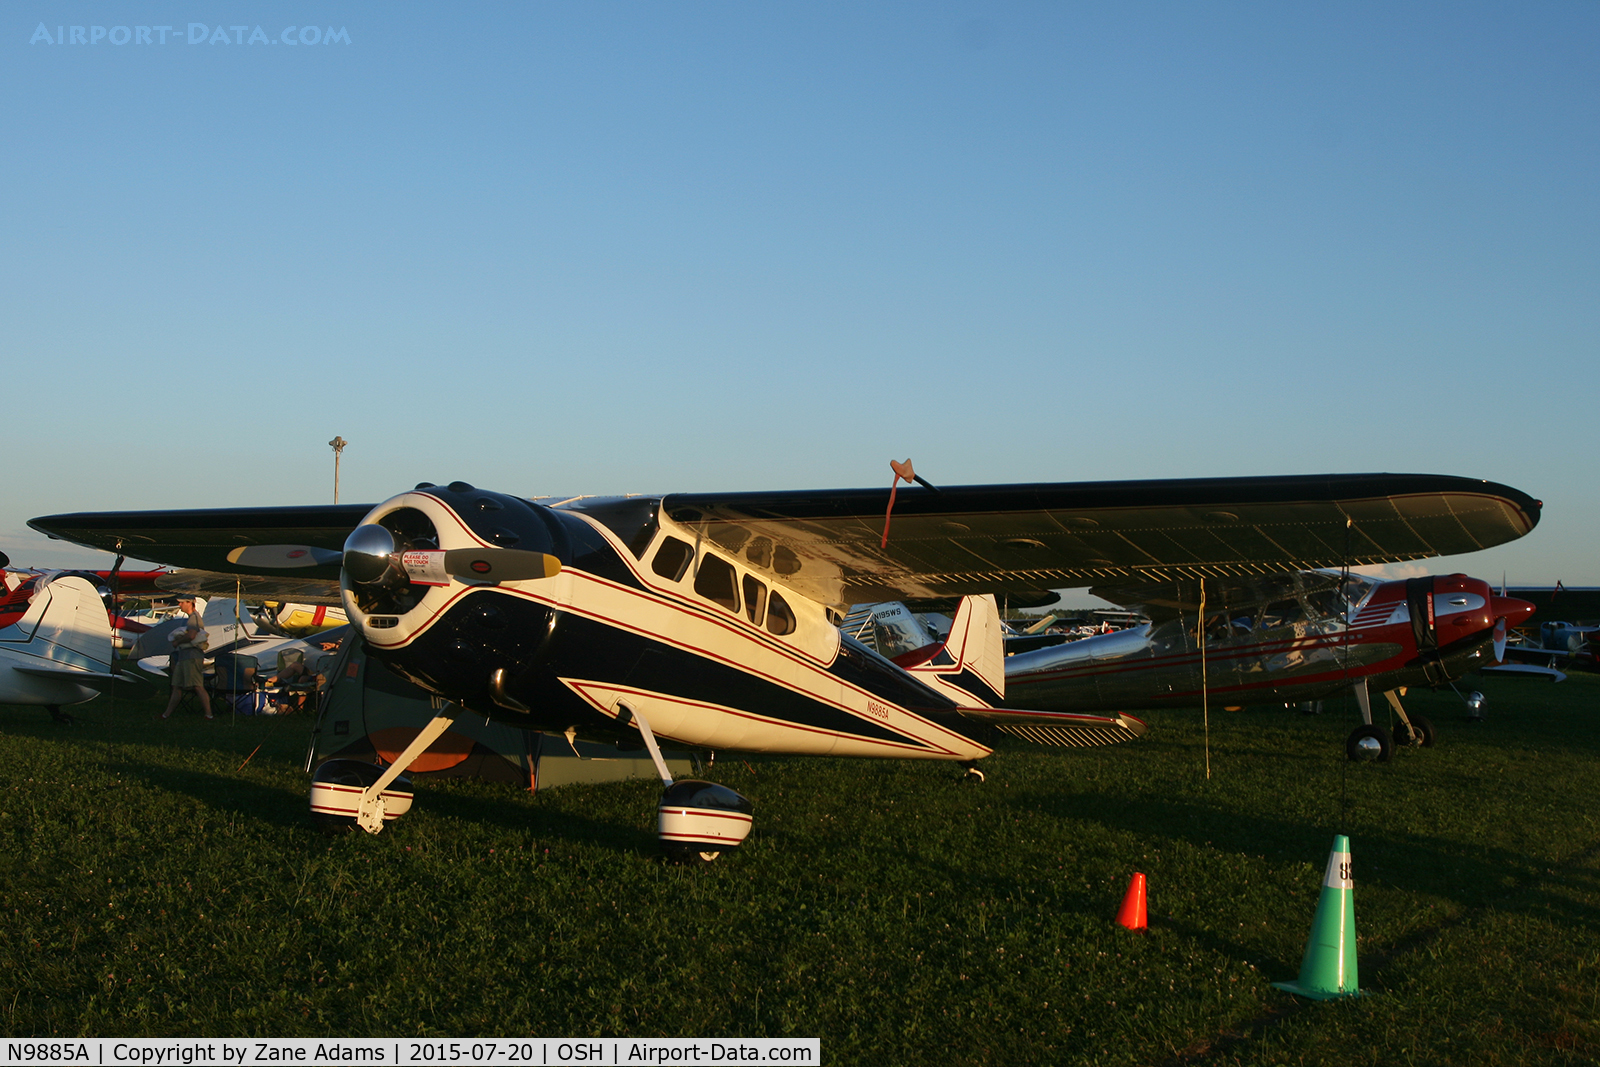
(223, 793)
(540, 822)
(238, 796)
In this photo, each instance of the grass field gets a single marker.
(152, 887)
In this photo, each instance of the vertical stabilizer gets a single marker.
(973, 659)
(228, 622)
(73, 628)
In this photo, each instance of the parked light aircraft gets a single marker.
(709, 618)
(1285, 638)
(55, 642)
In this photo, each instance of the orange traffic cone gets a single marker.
(1132, 912)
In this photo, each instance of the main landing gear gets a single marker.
(347, 793)
(696, 821)
(1370, 741)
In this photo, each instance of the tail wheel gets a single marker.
(1420, 734)
(1369, 743)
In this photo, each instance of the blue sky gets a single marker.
(568, 248)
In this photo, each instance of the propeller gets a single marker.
(370, 556)
(1500, 639)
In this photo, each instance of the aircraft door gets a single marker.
(1419, 601)
(1424, 628)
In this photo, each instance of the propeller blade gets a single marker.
(1500, 639)
(500, 564)
(283, 557)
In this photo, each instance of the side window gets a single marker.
(717, 581)
(755, 598)
(780, 617)
(672, 559)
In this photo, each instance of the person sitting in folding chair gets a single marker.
(295, 681)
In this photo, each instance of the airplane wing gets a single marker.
(252, 587)
(199, 540)
(954, 541)
(1028, 538)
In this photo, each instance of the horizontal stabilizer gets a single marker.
(1525, 670)
(98, 681)
(1061, 728)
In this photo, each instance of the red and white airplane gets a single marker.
(709, 618)
(1289, 638)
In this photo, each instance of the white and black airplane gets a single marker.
(708, 619)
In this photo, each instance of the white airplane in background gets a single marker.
(55, 642)
(709, 618)
(231, 626)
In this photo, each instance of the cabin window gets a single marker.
(718, 581)
(672, 559)
(780, 617)
(755, 598)
(1281, 613)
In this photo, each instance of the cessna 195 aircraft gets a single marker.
(708, 618)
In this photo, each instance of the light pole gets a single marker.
(337, 444)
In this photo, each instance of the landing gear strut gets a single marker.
(1372, 742)
(973, 773)
(349, 793)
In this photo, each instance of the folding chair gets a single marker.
(236, 681)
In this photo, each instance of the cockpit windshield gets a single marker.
(1314, 600)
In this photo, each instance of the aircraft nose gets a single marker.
(1514, 611)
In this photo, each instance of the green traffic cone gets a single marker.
(1329, 967)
